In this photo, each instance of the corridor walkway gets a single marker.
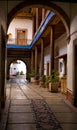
(26, 101)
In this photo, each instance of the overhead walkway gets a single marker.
(31, 107)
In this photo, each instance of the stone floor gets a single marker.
(18, 113)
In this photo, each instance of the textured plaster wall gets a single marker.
(61, 43)
(21, 24)
(70, 50)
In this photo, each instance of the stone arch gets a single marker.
(26, 61)
(47, 4)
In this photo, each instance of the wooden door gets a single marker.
(21, 37)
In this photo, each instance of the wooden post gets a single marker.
(51, 49)
(36, 60)
(42, 57)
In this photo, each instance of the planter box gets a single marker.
(32, 79)
(64, 85)
(53, 86)
(37, 82)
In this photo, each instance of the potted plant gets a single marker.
(47, 81)
(54, 82)
(37, 77)
(43, 80)
(32, 76)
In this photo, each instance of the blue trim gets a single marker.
(38, 34)
(41, 29)
(19, 46)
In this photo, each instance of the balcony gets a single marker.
(19, 43)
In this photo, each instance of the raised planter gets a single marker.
(53, 86)
(32, 79)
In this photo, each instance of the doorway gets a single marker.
(18, 69)
(21, 36)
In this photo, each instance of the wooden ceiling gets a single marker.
(20, 53)
(59, 29)
(27, 13)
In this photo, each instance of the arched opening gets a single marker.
(47, 5)
(61, 15)
(18, 69)
(59, 24)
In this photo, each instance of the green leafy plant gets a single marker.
(54, 76)
(18, 73)
(48, 78)
(32, 74)
(43, 78)
(21, 73)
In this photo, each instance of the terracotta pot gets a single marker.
(53, 86)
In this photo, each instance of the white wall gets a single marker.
(70, 51)
(46, 57)
(14, 68)
(21, 24)
(61, 42)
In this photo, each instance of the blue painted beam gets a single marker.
(42, 28)
(19, 46)
(37, 36)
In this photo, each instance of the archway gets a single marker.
(24, 60)
(46, 4)
(18, 69)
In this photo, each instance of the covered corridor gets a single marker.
(31, 107)
(43, 34)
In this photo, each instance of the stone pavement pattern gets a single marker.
(18, 113)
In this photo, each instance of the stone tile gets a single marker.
(20, 109)
(21, 118)
(55, 102)
(17, 94)
(22, 127)
(69, 126)
(60, 108)
(66, 117)
(20, 102)
(5, 110)
(4, 119)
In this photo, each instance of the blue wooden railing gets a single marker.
(37, 36)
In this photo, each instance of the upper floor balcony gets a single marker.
(19, 43)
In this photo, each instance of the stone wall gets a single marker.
(3, 28)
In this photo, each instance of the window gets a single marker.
(61, 66)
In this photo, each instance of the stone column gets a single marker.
(42, 58)
(51, 49)
(36, 59)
